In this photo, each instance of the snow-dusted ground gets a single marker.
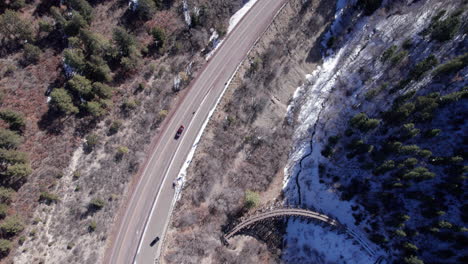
(309, 243)
(320, 245)
(239, 15)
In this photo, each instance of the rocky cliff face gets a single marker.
(393, 174)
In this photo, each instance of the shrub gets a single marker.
(13, 29)
(11, 226)
(432, 133)
(62, 102)
(409, 149)
(18, 172)
(445, 224)
(45, 26)
(129, 104)
(129, 64)
(422, 67)
(95, 109)
(388, 53)
(14, 119)
(163, 113)
(410, 162)
(397, 58)
(425, 153)
(453, 97)
(94, 43)
(369, 6)
(400, 233)
(31, 54)
(48, 198)
(456, 160)
(159, 38)
(388, 165)
(410, 247)
(392, 147)
(121, 151)
(378, 238)
(92, 226)
(75, 24)
(102, 90)
(372, 93)
(3, 210)
(115, 126)
(91, 141)
(126, 43)
(75, 59)
(333, 140)
(70, 245)
(6, 195)
(76, 174)
(409, 131)
(83, 7)
(98, 70)
(363, 123)
(97, 204)
(9, 139)
(17, 4)
(358, 147)
(413, 260)
(145, 9)
(327, 151)
(5, 247)
(80, 85)
(446, 29)
(419, 173)
(407, 44)
(106, 104)
(251, 199)
(453, 65)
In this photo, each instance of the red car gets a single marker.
(179, 132)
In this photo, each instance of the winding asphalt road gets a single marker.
(147, 212)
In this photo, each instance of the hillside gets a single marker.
(79, 80)
(363, 119)
(383, 147)
(355, 109)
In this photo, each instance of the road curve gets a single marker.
(148, 209)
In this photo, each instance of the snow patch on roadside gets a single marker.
(235, 19)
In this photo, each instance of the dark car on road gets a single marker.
(154, 241)
(179, 132)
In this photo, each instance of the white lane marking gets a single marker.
(190, 124)
(167, 173)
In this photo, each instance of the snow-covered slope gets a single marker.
(350, 68)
